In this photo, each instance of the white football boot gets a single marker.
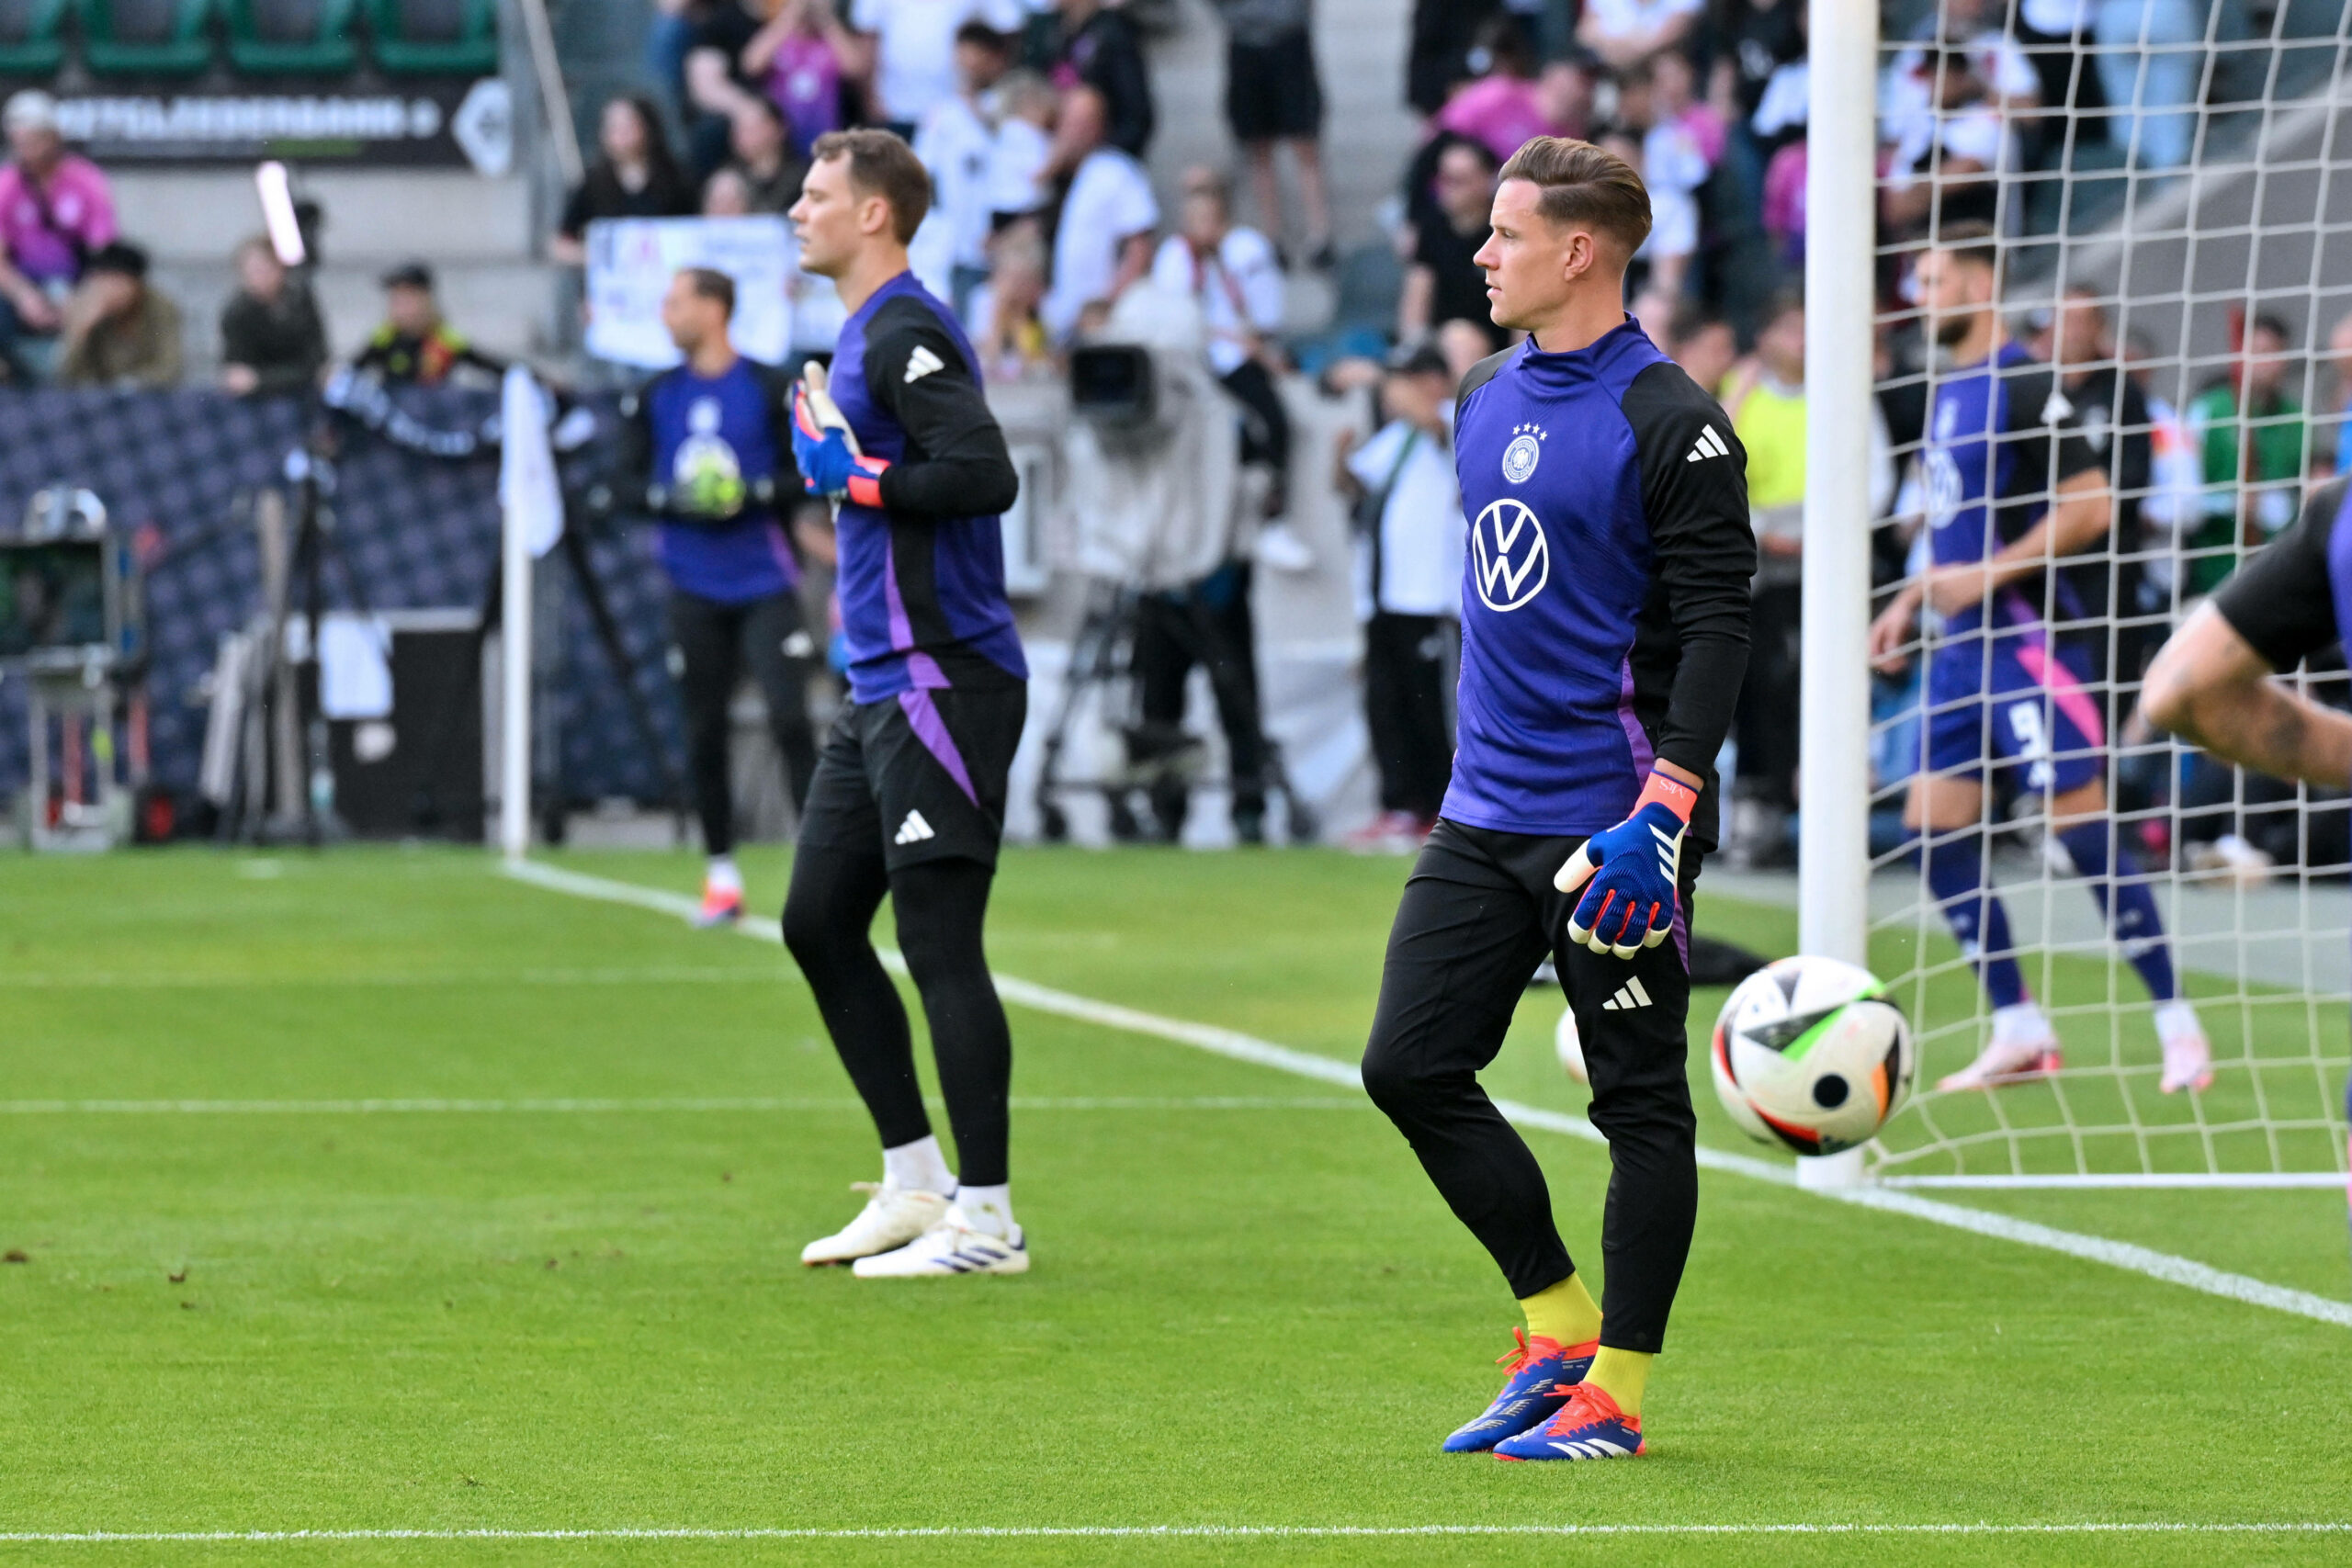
(951, 1246)
(2188, 1058)
(2023, 1047)
(892, 1217)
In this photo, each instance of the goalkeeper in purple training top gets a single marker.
(1604, 634)
(907, 800)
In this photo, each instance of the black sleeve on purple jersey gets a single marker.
(1694, 492)
(2281, 600)
(955, 464)
(2039, 415)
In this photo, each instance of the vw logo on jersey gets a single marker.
(1524, 452)
(1943, 486)
(1511, 560)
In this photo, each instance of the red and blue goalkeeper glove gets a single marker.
(828, 467)
(1631, 873)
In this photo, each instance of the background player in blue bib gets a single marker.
(2010, 487)
(2212, 683)
(1604, 634)
(909, 797)
(712, 438)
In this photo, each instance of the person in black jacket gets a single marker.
(633, 177)
(1101, 48)
(272, 341)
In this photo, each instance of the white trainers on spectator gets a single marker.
(892, 1217)
(1280, 546)
(2188, 1058)
(1390, 833)
(2232, 856)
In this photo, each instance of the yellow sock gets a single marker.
(1622, 1375)
(1564, 1312)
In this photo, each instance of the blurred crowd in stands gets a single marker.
(1035, 117)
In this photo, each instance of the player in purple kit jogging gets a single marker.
(2011, 486)
(1604, 635)
(910, 790)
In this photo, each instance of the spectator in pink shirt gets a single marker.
(1504, 109)
(55, 212)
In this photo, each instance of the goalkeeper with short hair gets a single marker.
(1604, 635)
(712, 438)
(910, 794)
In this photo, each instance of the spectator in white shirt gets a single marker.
(1103, 243)
(914, 51)
(1231, 273)
(956, 142)
(1624, 33)
(1026, 105)
(1410, 540)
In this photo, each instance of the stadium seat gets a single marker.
(152, 36)
(435, 37)
(276, 36)
(29, 42)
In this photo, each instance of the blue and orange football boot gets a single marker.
(1539, 1374)
(1590, 1426)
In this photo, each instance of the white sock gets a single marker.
(919, 1166)
(2177, 1021)
(721, 876)
(2021, 1025)
(989, 1209)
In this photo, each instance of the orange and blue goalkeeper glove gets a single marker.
(1631, 873)
(827, 466)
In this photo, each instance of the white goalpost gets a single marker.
(2179, 172)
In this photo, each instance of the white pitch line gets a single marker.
(386, 1107)
(1241, 1047)
(110, 980)
(2246, 1180)
(1212, 1532)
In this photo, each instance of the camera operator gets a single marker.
(713, 437)
(1154, 456)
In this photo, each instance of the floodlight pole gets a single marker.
(1834, 792)
(514, 679)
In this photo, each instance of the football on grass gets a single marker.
(1569, 1045)
(1809, 1053)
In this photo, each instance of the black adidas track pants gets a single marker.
(1477, 914)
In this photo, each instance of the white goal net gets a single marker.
(2167, 188)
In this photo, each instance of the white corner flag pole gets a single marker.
(515, 697)
(531, 518)
(1833, 843)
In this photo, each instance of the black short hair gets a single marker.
(1973, 243)
(982, 36)
(709, 283)
(2266, 322)
(119, 256)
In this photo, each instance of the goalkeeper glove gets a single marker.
(828, 467)
(1631, 873)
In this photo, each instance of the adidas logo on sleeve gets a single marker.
(914, 830)
(1708, 445)
(1629, 995)
(922, 362)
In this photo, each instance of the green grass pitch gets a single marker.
(1248, 1308)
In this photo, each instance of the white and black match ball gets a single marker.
(1569, 1045)
(1810, 1054)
